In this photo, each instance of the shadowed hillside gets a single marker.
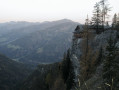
(45, 45)
(12, 73)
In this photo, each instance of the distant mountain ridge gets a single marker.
(38, 43)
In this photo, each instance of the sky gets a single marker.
(50, 10)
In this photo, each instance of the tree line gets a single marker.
(100, 19)
(91, 58)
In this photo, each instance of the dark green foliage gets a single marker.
(68, 71)
(65, 68)
(70, 79)
(12, 73)
(96, 19)
(42, 78)
(59, 84)
(100, 57)
(115, 22)
(111, 65)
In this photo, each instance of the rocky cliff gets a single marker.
(96, 42)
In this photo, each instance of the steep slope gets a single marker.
(44, 46)
(95, 68)
(41, 78)
(11, 73)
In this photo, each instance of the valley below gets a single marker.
(36, 43)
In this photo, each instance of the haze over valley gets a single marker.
(36, 42)
(59, 45)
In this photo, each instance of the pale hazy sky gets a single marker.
(48, 10)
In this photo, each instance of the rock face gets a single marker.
(96, 43)
(76, 52)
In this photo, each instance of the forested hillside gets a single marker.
(59, 55)
(12, 73)
(44, 43)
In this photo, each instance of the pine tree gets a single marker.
(104, 12)
(110, 67)
(70, 80)
(114, 21)
(65, 67)
(68, 71)
(96, 19)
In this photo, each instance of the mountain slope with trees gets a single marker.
(57, 76)
(12, 73)
(43, 46)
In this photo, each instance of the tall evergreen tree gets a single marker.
(68, 71)
(65, 67)
(114, 21)
(96, 19)
(70, 80)
(110, 67)
(104, 11)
